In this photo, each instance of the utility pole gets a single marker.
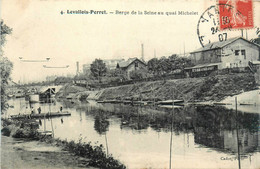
(238, 148)
(172, 114)
(77, 71)
(50, 111)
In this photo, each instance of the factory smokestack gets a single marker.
(142, 54)
(77, 71)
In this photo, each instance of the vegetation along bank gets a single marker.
(210, 88)
(94, 155)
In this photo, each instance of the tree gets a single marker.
(139, 74)
(153, 65)
(5, 66)
(121, 74)
(166, 65)
(98, 69)
(179, 62)
(5, 30)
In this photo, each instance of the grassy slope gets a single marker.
(190, 89)
(69, 89)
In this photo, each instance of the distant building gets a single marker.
(111, 63)
(232, 53)
(130, 65)
(51, 78)
(86, 69)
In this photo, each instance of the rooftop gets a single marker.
(217, 45)
(128, 62)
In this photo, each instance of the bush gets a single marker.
(25, 128)
(28, 129)
(139, 74)
(95, 153)
(6, 131)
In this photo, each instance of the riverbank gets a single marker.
(246, 102)
(22, 154)
(79, 153)
(139, 135)
(211, 88)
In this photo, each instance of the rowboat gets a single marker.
(109, 101)
(171, 106)
(42, 115)
(170, 102)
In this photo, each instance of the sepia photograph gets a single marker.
(130, 84)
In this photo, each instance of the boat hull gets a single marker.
(42, 115)
(171, 102)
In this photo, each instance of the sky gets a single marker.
(40, 31)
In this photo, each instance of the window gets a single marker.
(136, 64)
(236, 52)
(243, 52)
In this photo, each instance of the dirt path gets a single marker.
(19, 154)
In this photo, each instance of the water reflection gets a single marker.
(139, 136)
(213, 127)
(134, 121)
(101, 123)
(216, 128)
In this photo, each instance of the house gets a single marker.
(232, 53)
(130, 65)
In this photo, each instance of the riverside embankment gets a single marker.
(211, 88)
(139, 136)
(23, 146)
(20, 154)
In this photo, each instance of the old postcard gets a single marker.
(130, 84)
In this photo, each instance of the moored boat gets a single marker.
(42, 115)
(170, 102)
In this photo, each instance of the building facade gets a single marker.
(233, 53)
(111, 63)
(239, 53)
(130, 65)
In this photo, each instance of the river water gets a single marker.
(202, 136)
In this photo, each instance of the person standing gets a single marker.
(39, 110)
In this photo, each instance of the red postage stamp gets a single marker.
(236, 14)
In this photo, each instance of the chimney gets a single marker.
(77, 71)
(142, 54)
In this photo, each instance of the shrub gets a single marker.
(6, 131)
(139, 74)
(96, 154)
